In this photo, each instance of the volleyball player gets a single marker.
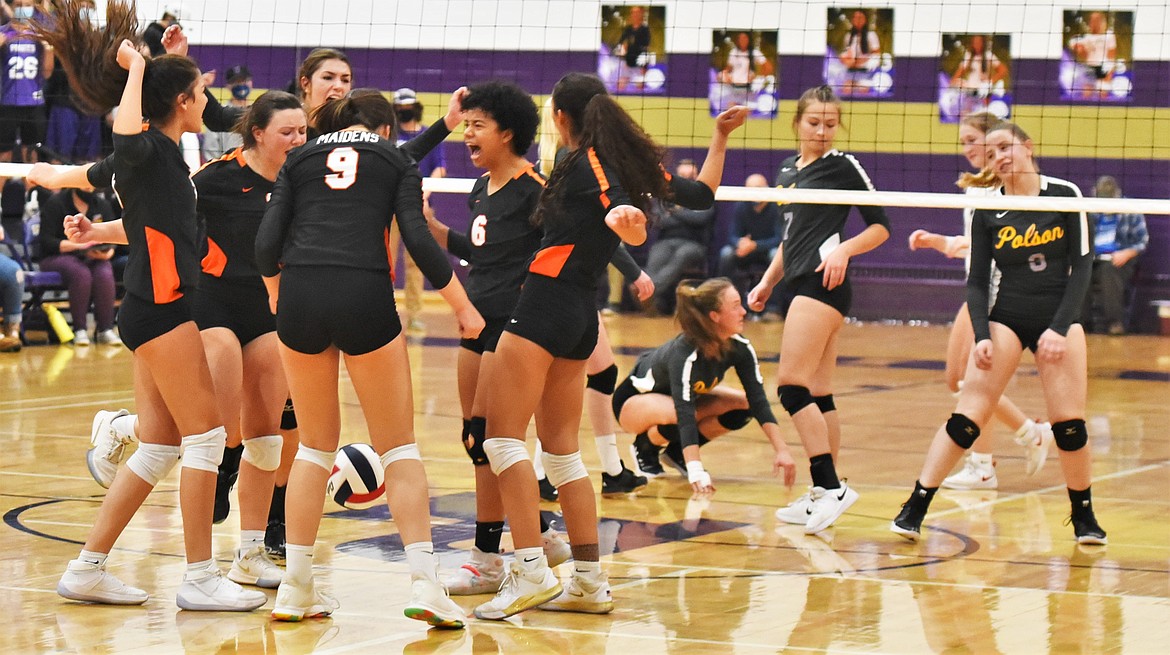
(675, 388)
(1045, 259)
(173, 386)
(236, 324)
(978, 471)
(594, 199)
(322, 250)
(500, 123)
(814, 259)
(601, 371)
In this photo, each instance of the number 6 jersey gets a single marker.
(1045, 258)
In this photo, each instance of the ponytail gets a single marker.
(89, 56)
(695, 302)
(599, 122)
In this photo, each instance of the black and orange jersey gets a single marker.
(232, 198)
(500, 241)
(578, 244)
(333, 203)
(1045, 259)
(812, 231)
(679, 370)
(154, 186)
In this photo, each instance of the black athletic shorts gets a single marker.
(488, 339)
(1027, 331)
(141, 321)
(238, 304)
(812, 285)
(559, 317)
(29, 121)
(621, 394)
(350, 308)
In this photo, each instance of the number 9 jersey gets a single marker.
(333, 203)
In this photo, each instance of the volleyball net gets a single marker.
(1089, 81)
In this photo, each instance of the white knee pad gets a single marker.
(409, 451)
(204, 451)
(322, 458)
(264, 452)
(563, 469)
(153, 462)
(503, 452)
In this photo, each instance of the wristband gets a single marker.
(695, 472)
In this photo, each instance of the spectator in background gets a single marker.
(153, 33)
(12, 298)
(755, 236)
(410, 112)
(27, 63)
(1118, 240)
(215, 144)
(681, 247)
(85, 267)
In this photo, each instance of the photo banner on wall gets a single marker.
(743, 71)
(1097, 59)
(975, 74)
(632, 56)
(859, 46)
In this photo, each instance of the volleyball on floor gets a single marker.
(358, 480)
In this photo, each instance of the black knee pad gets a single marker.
(825, 403)
(288, 418)
(604, 381)
(735, 419)
(474, 430)
(669, 431)
(794, 397)
(1070, 435)
(962, 430)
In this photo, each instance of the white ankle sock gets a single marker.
(298, 562)
(587, 570)
(607, 450)
(90, 557)
(420, 557)
(198, 570)
(529, 558)
(250, 539)
(126, 425)
(1026, 428)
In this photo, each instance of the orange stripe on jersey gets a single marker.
(602, 181)
(237, 154)
(389, 252)
(530, 170)
(215, 260)
(551, 260)
(164, 275)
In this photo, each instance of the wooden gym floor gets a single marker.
(997, 572)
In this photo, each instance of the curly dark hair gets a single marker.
(510, 107)
(597, 121)
(89, 56)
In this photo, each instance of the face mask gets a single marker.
(405, 115)
(22, 13)
(241, 91)
(87, 14)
